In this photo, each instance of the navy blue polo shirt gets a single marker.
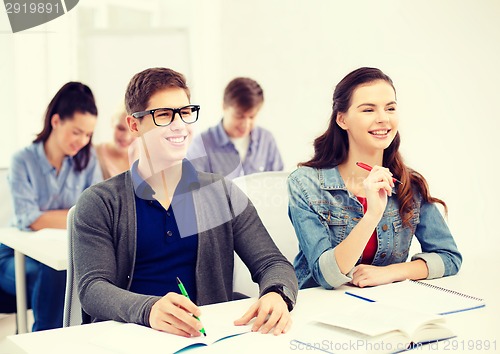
(167, 240)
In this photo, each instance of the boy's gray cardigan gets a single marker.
(104, 248)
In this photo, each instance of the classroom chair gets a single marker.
(268, 193)
(72, 307)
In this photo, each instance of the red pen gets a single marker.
(369, 168)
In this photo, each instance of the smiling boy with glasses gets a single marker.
(137, 232)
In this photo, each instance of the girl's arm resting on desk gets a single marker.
(440, 256)
(55, 219)
(368, 275)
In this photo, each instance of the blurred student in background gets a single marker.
(46, 178)
(236, 146)
(116, 156)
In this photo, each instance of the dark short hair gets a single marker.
(243, 92)
(146, 83)
(73, 97)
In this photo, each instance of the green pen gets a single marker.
(184, 292)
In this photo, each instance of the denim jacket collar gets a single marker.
(331, 179)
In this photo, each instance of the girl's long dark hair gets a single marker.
(331, 148)
(71, 98)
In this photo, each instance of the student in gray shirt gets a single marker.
(135, 233)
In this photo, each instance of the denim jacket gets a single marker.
(323, 213)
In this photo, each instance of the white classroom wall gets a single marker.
(443, 56)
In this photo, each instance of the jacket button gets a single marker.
(169, 233)
(383, 255)
(385, 227)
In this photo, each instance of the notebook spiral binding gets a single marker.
(447, 290)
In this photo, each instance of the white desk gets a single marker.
(475, 325)
(48, 246)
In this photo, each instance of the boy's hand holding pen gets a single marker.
(184, 292)
(176, 314)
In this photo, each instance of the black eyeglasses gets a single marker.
(165, 116)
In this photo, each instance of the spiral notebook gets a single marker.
(419, 296)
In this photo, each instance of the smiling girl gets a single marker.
(357, 226)
(46, 178)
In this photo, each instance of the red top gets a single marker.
(372, 244)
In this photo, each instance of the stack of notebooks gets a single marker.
(385, 319)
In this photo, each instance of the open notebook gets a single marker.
(419, 296)
(370, 327)
(133, 338)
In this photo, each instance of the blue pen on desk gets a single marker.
(184, 292)
(359, 297)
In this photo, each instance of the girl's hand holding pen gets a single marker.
(364, 166)
(378, 186)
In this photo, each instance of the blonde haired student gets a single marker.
(357, 226)
(117, 155)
